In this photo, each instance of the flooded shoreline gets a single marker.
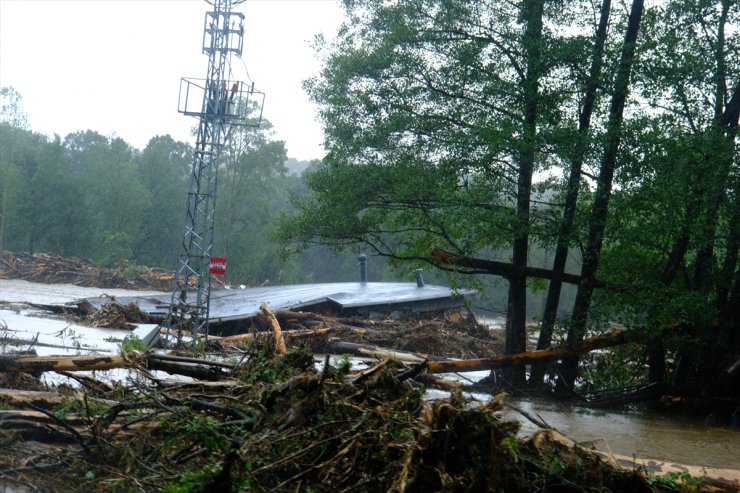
(639, 434)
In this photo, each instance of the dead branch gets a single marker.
(277, 332)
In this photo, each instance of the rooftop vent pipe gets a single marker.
(363, 268)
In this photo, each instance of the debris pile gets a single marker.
(276, 423)
(54, 269)
(115, 316)
(453, 334)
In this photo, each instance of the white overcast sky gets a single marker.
(114, 66)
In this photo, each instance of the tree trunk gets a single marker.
(720, 150)
(718, 160)
(36, 364)
(614, 338)
(277, 331)
(517, 301)
(442, 258)
(726, 118)
(571, 197)
(520, 360)
(724, 283)
(599, 211)
(656, 348)
(370, 351)
(731, 119)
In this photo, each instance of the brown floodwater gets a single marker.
(639, 433)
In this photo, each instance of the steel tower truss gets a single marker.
(220, 104)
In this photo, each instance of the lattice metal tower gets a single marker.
(220, 104)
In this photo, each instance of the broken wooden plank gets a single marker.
(148, 333)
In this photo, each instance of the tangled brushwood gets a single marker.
(279, 424)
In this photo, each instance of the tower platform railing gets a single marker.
(232, 101)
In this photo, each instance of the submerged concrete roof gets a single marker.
(235, 304)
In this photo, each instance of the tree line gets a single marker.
(99, 198)
(464, 135)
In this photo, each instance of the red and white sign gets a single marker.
(218, 265)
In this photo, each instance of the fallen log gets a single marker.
(366, 350)
(296, 333)
(185, 359)
(23, 399)
(38, 364)
(613, 338)
(329, 326)
(192, 367)
(434, 380)
(200, 372)
(36, 426)
(328, 322)
(444, 260)
(286, 333)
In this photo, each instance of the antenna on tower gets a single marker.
(220, 104)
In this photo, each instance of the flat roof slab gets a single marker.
(236, 304)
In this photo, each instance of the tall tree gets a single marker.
(691, 78)
(162, 169)
(433, 112)
(600, 207)
(11, 108)
(533, 44)
(251, 196)
(577, 158)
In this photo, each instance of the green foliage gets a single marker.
(193, 481)
(681, 481)
(344, 365)
(617, 368)
(427, 109)
(131, 270)
(132, 343)
(11, 108)
(512, 447)
(556, 466)
(89, 408)
(97, 197)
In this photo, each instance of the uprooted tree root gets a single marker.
(280, 425)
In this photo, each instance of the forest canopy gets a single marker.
(97, 197)
(466, 134)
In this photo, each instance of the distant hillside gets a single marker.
(296, 167)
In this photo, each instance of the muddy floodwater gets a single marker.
(639, 434)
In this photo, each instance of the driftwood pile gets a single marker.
(272, 422)
(54, 269)
(262, 417)
(454, 334)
